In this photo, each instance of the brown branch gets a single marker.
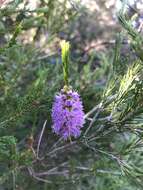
(40, 138)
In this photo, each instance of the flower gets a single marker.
(67, 114)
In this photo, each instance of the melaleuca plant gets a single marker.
(108, 151)
(67, 112)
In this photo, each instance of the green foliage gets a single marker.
(7, 148)
(108, 155)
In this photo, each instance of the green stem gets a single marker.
(65, 46)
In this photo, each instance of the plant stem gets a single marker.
(65, 46)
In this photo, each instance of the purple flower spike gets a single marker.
(67, 114)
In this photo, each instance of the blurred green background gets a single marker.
(31, 75)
